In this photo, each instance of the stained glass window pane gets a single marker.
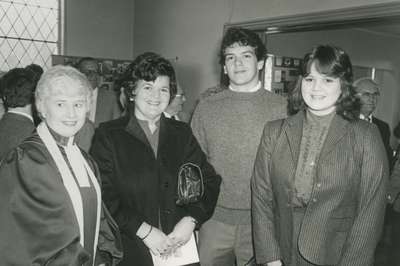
(29, 32)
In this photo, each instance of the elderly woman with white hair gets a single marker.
(51, 211)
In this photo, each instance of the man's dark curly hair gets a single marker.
(333, 62)
(18, 86)
(148, 66)
(243, 37)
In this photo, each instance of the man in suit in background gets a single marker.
(105, 104)
(17, 89)
(367, 91)
(175, 108)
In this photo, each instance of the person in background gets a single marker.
(105, 105)
(37, 72)
(396, 134)
(367, 91)
(175, 108)
(140, 156)
(228, 126)
(51, 211)
(17, 124)
(393, 211)
(84, 137)
(320, 176)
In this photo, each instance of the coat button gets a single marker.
(318, 185)
(314, 200)
(166, 184)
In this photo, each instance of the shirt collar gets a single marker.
(363, 117)
(21, 113)
(255, 88)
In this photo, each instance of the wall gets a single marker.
(99, 28)
(364, 48)
(192, 30)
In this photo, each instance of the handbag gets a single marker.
(190, 184)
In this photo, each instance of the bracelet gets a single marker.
(143, 238)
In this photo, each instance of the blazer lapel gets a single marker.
(337, 130)
(135, 130)
(294, 132)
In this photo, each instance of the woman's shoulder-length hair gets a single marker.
(333, 62)
(147, 66)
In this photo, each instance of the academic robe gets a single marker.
(38, 225)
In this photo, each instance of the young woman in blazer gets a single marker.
(319, 182)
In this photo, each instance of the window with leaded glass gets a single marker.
(29, 32)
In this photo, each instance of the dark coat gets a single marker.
(107, 106)
(384, 130)
(344, 217)
(141, 187)
(14, 128)
(37, 220)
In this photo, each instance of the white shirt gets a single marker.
(366, 118)
(167, 115)
(256, 88)
(21, 113)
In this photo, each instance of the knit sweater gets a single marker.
(228, 126)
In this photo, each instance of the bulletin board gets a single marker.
(110, 69)
(281, 73)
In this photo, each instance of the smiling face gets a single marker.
(65, 106)
(368, 95)
(152, 98)
(320, 92)
(242, 67)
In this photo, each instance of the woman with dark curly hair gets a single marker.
(140, 156)
(319, 181)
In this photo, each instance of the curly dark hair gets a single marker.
(36, 70)
(243, 37)
(147, 66)
(17, 88)
(334, 62)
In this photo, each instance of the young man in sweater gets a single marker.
(228, 126)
